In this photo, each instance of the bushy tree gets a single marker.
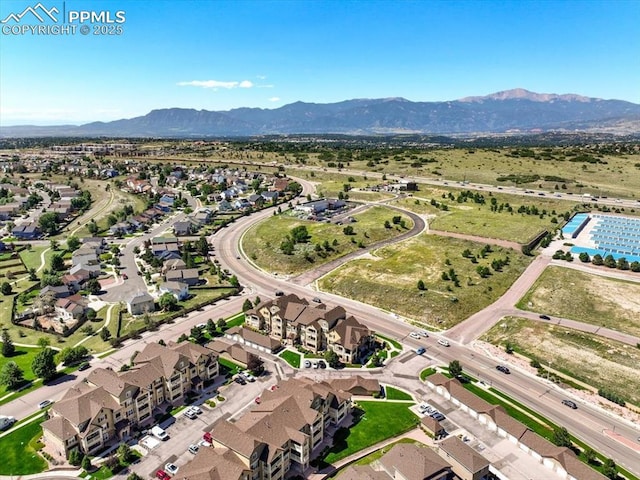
(86, 464)
(167, 302)
(8, 348)
(48, 222)
(211, 327)
(332, 359)
(11, 375)
(198, 335)
(105, 334)
(561, 437)
(455, 369)
(247, 305)
(125, 456)
(6, 289)
(57, 262)
(73, 243)
(610, 469)
(44, 365)
(75, 457)
(421, 285)
(255, 365)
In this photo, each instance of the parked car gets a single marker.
(322, 364)
(307, 364)
(503, 369)
(171, 468)
(240, 380)
(162, 475)
(315, 364)
(125, 276)
(207, 437)
(204, 443)
(438, 416)
(44, 404)
(443, 342)
(197, 410)
(6, 422)
(248, 377)
(570, 404)
(159, 433)
(420, 350)
(193, 449)
(545, 317)
(415, 335)
(279, 293)
(190, 414)
(424, 333)
(84, 366)
(317, 299)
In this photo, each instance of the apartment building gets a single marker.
(278, 435)
(294, 321)
(108, 405)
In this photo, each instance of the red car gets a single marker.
(207, 437)
(258, 400)
(162, 475)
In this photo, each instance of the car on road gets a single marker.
(443, 342)
(171, 468)
(424, 333)
(44, 404)
(162, 475)
(545, 317)
(307, 364)
(421, 350)
(207, 437)
(570, 404)
(258, 400)
(125, 276)
(248, 377)
(204, 443)
(239, 380)
(84, 366)
(503, 369)
(415, 335)
(190, 414)
(317, 300)
(193, 449)
(195, 409)
(279, 293)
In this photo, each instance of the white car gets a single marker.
(195, 409)
(171, 468)
(443, 342)
(415, 335)
(204, 443)
(194, 449)
(424, 333)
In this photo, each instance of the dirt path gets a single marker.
(475, 238)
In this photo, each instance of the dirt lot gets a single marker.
(587, 298)
(597, 361)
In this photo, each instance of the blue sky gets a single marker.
(218, 55)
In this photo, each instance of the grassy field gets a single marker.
(31, 257)
(23, 357)
(292, 358)
(588, 298)
(595, 360)
(262, 242)
(20, 451)
(377, 421)
(389, 279)
(395, 394)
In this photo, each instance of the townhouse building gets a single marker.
(277, 436)
(108, 405)
(294, 321)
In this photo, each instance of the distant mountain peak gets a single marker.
(523, 94)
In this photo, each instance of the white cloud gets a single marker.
(261, 77)
(274, 99)
(215, 84)
(264, 86)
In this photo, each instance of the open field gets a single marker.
(588, 298)
(595, 360)
(377, 421)
(388, 279)
(262, 242)
(23, 357)
(20, 451)
(32, 257)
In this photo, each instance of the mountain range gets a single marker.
(510, 111)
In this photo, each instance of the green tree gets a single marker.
(222, 324)
(247, 305)
(584, 257)
(234, 282)
(6, 289)
(8, 348)
(124, 454)
(57, 262)
(332, 359)
(387, 224)
(561, 437)
(300, 234)
(590, 455)
(348, 230)
(134, 476)
(610, 469)
(167, 302)
(48, 223)
(198, 335)
(202, 246)
(93, 285)
(73, 243)
(255, 365)
(75, 457)
(11, 375)
(33, 274)
(105, 334)
(455, 369)
(211, 327)
(86, 464)
(421, 285)
(92, 226)
(43, 342)
(44, 365)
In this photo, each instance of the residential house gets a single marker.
(61, 291)
(190, 276)
(164, 244)
(293, 321)
(28, 231)
(139, 303)
(104, 409)
(85, 271)
(270, 197)
(253, 339)
(256, 200)
(466, 462)
(179, 290)
(9, 210)
(225, 206)
(173, 264)
(319, 206)
(183, 228)
(203, 217)
(69, 308)
(86, 256)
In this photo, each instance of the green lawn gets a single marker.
(393, 342)
(389, 279)
(593, 299)
(31, 258)
(377, 421)
(23, 357)
(236, 320)
(230, 366)
(292, 358)
(426, 373)
(395, 394)
(19, 451)
(262, 242)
